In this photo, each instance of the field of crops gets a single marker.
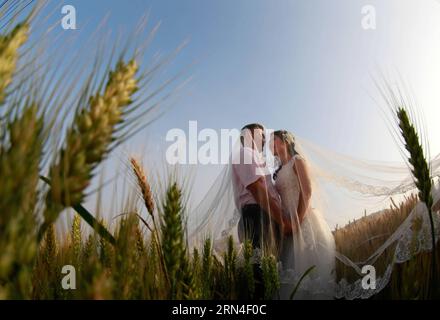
(142, 256)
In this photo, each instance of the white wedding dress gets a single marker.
(312, 245)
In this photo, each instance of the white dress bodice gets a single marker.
(288, 187)
(311, 245)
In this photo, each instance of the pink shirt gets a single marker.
(247, 172)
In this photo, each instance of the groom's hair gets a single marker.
(251, 127)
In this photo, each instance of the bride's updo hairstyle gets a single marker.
(289, 139)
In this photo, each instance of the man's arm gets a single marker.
(259, 191)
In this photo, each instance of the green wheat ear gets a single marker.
(230, 267)
(417, 158)
(18, 197)
(248, 268)
(421, 173)
(126, 255)
(140, 242)
(206, 276)
(9, 55)
(191, 289)
(270, 276)
(173, 239)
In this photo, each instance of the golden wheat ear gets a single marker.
(147, 197)
(144, 186)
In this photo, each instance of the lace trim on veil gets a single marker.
(411, 238)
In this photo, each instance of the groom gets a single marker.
(258, 200)
(261, 219)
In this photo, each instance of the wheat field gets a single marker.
(142, 257)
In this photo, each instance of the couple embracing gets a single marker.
(278, 217)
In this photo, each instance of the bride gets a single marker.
(311, 244)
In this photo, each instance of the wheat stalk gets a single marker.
(20, 158)
(248, 268)
(19, 181)
(9, 55)
(173, 242)
(126, 255)
(88, 250)
(143, 184)
(230, 260)
(420, 168)
(49, 249)
(89, 141)
(421, 173)
(76, 236)
(270, 276)
(207, 269)
(147, 197)
(106, 251)
(304, 275)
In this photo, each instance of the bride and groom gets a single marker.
(277, 215)
(275, 207)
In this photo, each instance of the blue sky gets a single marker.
(306, 66)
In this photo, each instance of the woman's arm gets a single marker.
(436, 206)
(305, 185)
